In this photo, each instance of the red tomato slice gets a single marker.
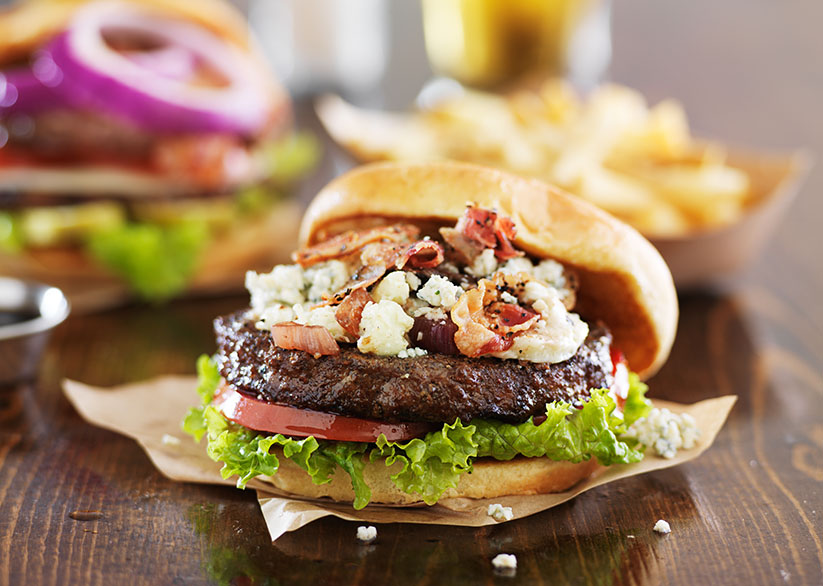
(274, 418)
(620, 372)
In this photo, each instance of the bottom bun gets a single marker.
(489, 479)
(253, 244)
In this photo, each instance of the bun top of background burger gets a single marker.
(136, 139)
(432, 348)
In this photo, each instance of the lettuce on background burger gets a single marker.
(141, 143)
(422, 348)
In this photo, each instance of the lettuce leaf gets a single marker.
(248, 454)
(155, 260)
(636, 405)
(208, 379)
(569, 434)
(430, 465)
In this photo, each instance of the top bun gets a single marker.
(623, 279)
(26, 26)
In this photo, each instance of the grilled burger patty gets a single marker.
(435, 387)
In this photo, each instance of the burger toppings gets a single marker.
(350, 311)
(422, 353)
(262, 416)
(381, 279)
(315, 340)
(480, 229)
(426, 465)
(383, 328)
(436, 387)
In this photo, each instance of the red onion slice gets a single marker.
(436, 336)
(30, 91)
(315, 340)
(172, 62)
(100, 78)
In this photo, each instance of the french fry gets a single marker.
(639, 163)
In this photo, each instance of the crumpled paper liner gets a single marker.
(134, 410)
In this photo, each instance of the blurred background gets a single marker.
(700, 141)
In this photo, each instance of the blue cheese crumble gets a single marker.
(366, 534)
(504, 561)
(665, 432)
(383, 328)
(500, 513)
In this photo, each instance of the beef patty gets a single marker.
(435, 387)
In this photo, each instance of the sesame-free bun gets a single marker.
(27, 25)
(489, 479)
(623, 279)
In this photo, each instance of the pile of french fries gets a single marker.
(639, 163)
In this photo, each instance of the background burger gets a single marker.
(141, 147)
(421, 347)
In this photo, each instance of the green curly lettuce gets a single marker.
(208, 379)
(430, 465)
(155, 260)
(426, 466)
(636, 405)
(568, 433)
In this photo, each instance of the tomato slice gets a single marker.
(275, 418)
(620, 371)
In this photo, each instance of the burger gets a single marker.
(143, 145)
(446, 330)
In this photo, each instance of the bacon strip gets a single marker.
(353, 241)
(486, 325)
(423, 254)
(465, 249)
(315, 340)
(479, 229)
(350, 311)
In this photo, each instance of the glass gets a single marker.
(322, 45)
(487, 43)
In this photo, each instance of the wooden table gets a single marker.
(750, 511)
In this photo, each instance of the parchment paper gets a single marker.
(151, 412)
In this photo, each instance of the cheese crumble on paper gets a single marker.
(500, 513)
(665, 432)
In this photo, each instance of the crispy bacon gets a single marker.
(486, 325)
(351, 242)
(377, 258)
(349, 312)
(505, 230)
(315, 340)
(423, 254)
(479, 229)
(464, 249)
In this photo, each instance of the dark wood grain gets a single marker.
(750, 511)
